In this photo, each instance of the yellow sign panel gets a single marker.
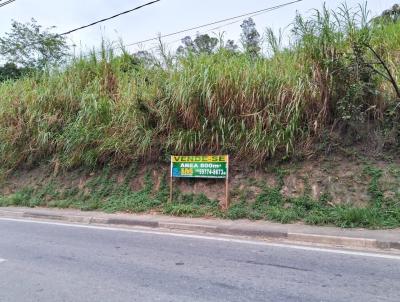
(200, 159)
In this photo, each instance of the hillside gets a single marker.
(329, 92)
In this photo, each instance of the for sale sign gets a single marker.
(211, 166)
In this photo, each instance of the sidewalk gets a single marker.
(352, 238)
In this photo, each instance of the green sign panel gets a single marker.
(213, 166)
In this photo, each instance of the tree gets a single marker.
(144, 57)
(392, 14)
(188, 45)
(231, 46)
(10, 71)
(363, 48)
(29, 45)
(250, 37)
(201, 44)
(388, 15)
(205, 44)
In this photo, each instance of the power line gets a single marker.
(94, 23)
(210, 30)
(109, 18)
(252, 14)
(7, 2)
(216, 22)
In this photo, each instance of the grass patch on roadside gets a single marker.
(271, 205)
(104, 193)
(193, 205)
(315, 212)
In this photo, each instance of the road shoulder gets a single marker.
(346, 238)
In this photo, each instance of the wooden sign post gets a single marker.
(227, 184)
(210, 166)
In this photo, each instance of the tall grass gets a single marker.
(116, 109)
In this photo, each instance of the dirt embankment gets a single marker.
(342, 179)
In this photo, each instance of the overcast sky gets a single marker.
(163, 17)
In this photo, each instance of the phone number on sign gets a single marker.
(211, 172)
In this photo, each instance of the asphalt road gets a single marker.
(51, 262)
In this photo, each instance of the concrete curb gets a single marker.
(236, 230)
(336, 240)
(133, 222)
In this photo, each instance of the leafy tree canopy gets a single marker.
(29, 45)
(250, 37)
(201, 44)
(392, 14)
(10, 71)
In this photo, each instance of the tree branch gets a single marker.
(389, 73)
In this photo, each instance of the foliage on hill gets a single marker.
(339, 73)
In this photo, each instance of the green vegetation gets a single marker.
(31, 46)
(115, 110)
(270, 204)
(104, 193)
(339, 75)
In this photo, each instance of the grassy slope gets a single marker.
(113, 110)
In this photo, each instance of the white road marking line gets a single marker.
(2, 260)
(214, 238)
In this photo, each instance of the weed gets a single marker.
(163, 192)
(282, 215)
(194, 205)
(133, 202)
(280, 174)
(115, 110)
(374, 187)
(24, 197)
(272, 197)
(270, 204)
(238, 211)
